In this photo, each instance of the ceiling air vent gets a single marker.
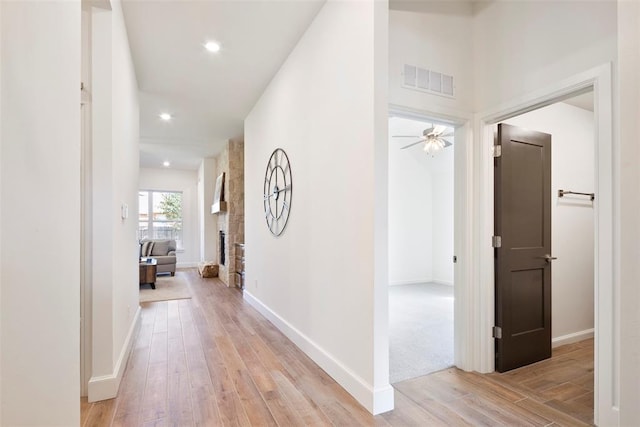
(423, 79)
(409, 75)
(436, 82)
(428, 81)
(447, 85)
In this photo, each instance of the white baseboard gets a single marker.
(186, 264)
(441, 282)
(376, 400)
(571, 338)
(420, 281)
(106, 386)
(383, 400)
(409, 282)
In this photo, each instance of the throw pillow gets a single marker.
(147, 247)
(160, 248)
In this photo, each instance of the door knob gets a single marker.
(547, 257)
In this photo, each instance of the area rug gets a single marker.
(167, 288)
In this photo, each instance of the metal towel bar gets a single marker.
(561, 193)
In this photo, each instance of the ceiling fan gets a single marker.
(434, 139)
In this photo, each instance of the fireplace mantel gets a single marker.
(218, 207)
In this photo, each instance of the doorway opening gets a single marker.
(553, 294)
(421, 246)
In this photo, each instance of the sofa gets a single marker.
(162, 250)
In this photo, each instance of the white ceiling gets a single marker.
(208, 94)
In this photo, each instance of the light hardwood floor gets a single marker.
(213, 360)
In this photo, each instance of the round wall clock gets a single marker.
(277, 191)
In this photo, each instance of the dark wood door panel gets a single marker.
(526, 195)
(523, 221)
(527, 293)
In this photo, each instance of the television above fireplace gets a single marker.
(219, 204)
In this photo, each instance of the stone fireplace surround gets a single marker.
(231, 222)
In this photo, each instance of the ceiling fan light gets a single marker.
(433, 145)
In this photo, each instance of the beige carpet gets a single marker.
(167, 288)
(420, 330)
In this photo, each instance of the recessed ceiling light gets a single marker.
(165, 116)
(212, 46)
(166, 164)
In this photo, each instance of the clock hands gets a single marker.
(276, 191)
(283, 189)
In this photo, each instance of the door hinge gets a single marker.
(497, 332)
(455, 259)
(496, 241)
(496, 150)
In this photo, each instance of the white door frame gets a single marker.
(606, 351)
(463, 189)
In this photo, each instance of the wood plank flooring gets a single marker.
(214, 361)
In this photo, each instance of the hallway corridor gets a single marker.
(213, 360)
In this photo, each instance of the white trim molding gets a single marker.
(376, 400)
(571, 338)
(106, 386)
(419, 282)
(409, 282)
(606, 285)
(441, 282)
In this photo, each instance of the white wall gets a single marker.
(185, 181)
(410, 208)
(383, 394)
(126, 119)
(1, 405)
(572, 223)
(101, 284)
(629, 188)
(519, 47)
(201, 213)
(420, 209)
(436, 36)
(40, 203)
(208, 230)
(114, 172)
(316, 280)
(443, 216)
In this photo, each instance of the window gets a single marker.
(160, 216)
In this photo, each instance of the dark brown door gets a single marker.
(522, 212)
